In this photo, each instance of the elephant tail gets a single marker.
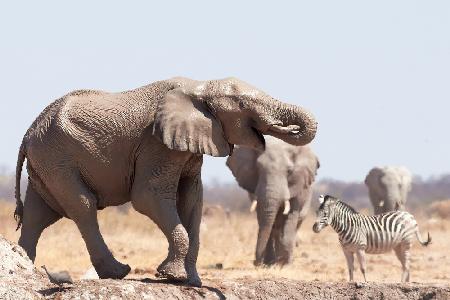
(18, 213)
(421, 241)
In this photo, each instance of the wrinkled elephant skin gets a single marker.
(92, 149)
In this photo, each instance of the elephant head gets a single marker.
(388, 188)
(280, 180)
(210, 117)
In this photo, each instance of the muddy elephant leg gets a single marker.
(266, 212)
(287, 242)
(269, 253)
(160, 206)
(190, 202)
(154, 194)
(164, 213)
(297, 238)
(80, 205)
(37, 216)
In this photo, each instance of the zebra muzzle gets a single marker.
(316, 227)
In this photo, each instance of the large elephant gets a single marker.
(388, 188)
(279, 180)
(92, 149)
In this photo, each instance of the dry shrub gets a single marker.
(440, 209)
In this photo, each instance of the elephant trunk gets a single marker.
(393, 196)
(390, 203)
(266, 219)
(295, 125)
(272, 193)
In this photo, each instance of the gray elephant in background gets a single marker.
(279, 180)
(91, 149)
(388, 188)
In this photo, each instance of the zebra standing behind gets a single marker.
(376, 234)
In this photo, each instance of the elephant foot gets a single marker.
(263, 265)
(259, 263)
(112, 269)
(195, 281)
(193, 278)
(173, 270)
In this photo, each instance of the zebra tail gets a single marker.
(421, 241)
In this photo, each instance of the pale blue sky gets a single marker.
(375, 74)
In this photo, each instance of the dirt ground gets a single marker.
(247, 289)
(225, 261)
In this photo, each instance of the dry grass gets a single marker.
(135, 240)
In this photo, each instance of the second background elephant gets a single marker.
(388, 188)
(279, 179)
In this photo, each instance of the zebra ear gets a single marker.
(321, 199)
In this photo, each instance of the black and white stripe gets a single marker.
(359, 234)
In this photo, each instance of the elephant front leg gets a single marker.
(190, 202)
(285, 245)
(160, 206)
(154, 194)
(163, 212)
(269, 253)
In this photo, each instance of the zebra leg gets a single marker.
(362, 262)
(350, 259)
(402, 252)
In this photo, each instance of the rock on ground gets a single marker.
(19, 279)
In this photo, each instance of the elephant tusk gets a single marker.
(294, 129)
(381, 204)
(253, 206)
(287, 207)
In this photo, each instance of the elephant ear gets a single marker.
(184, 123)
(406, 178)
(305, 165)
(374, 177)
(242, 164)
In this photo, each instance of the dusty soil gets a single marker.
(19, 279)
(244, 289)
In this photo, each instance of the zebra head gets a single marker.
(324, 213)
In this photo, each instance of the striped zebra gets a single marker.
(376, 234)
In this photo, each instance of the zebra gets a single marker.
(362, 234)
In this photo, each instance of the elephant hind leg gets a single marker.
(37, 216)
(80, 204)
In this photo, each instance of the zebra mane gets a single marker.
(347, 206)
